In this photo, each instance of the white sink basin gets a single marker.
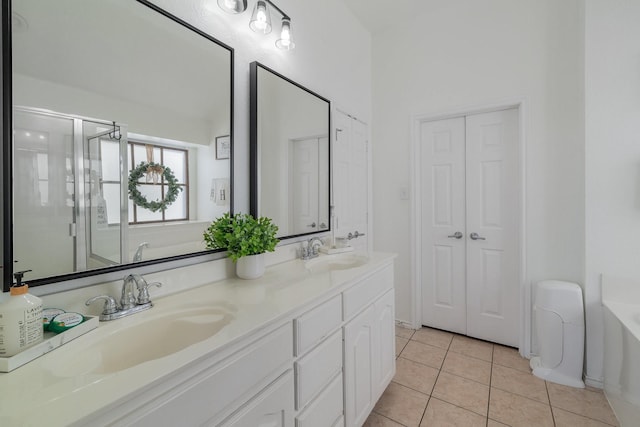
(150, 339)
(335, 262)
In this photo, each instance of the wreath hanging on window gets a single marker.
(153, 171)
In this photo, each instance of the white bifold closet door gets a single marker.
(470, 235)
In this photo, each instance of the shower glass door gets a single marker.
(68, 193)
(104, 153)
(44, 194)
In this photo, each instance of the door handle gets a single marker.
(456, 235)
(312, 225)
(475, 236)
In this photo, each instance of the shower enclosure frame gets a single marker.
(80, 228)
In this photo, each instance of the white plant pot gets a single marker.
(250, 267)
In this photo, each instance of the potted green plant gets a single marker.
(246, 239)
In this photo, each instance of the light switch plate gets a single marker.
(404, 193)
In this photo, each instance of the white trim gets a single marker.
(405, 325)
(591, 382)
(415, 210)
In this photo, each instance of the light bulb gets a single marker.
(285, 41)
(261, 18)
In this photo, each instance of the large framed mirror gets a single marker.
(289, 153)
(118, 135)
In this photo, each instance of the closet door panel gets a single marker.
(443, 224)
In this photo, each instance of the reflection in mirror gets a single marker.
(116, 109)
(289, 154)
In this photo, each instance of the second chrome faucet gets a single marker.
(129, 303)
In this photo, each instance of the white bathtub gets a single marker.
(621, 301)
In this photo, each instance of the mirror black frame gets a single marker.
(253, 141)
(7, 156)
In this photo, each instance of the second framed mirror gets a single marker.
(290, 153)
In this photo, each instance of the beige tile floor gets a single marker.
(444, 379)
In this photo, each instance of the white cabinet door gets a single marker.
(273, 407)
(385, 356)
(359, 350)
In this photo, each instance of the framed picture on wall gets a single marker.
(223, 147)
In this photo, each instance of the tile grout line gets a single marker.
(435, 381)
(404, 346)
(582, 415)
(553, 416)
(390, 419)
(493, 349)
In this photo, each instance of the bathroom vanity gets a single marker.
(309, 344)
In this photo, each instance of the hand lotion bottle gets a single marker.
(20, 319)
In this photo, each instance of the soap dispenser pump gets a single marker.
(20, 319)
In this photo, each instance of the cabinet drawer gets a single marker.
(313, 326)
(316, 369)
(226, 384)
(326, 409)
(363, 293)
(273, 407)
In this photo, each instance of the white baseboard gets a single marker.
(404, 324)
(591, 382)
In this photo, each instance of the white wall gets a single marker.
(612, 99)
(462, 54)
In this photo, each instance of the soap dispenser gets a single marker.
(20, 319)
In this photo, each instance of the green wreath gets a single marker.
(169, 178)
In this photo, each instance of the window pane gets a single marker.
(131, 219)
(111, 194)
(110, 160)
(140, 154)
(176, 161)
(178, 209)
(44, 192)
(151, 193)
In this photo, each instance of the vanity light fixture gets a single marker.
(233, 6)
(261, 19)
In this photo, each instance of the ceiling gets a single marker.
(377, 15)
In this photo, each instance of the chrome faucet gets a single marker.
(137, 257)
(129, 304)
(310, 248)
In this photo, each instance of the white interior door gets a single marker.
(443, 225)
(350, 187)
(470, 235)
(303, 183)
(492, 214)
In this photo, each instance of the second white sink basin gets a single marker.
(152, 338)
(335, 262)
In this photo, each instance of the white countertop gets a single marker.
(50, 390)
